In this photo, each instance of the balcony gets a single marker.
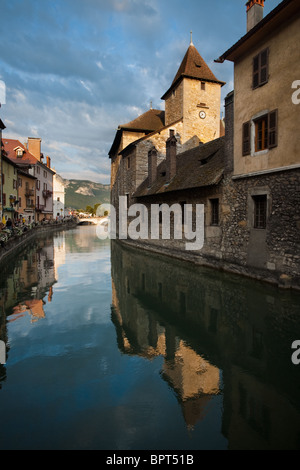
(40, 207)
(29, 192)
(47, 194)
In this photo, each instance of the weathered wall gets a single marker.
(174, 105)
(284, 68)
(275, 249)
(196, 100)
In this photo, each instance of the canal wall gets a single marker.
(177, 251)
(17, 243)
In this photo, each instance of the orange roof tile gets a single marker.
(10, 145)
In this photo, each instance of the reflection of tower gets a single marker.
(194, 379)
(142, 330)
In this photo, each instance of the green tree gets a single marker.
(96, 208)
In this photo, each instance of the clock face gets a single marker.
(202, 114)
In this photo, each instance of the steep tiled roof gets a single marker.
(150, 121)
(147, 136)
(193, 66)
(10, 145)
(199, 167)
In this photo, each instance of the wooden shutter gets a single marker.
(256, 71)
(261, 69)
(273, 129)
(246, 138)
(264, 67)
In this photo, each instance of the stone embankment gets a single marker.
(18, 240)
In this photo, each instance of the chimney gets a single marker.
(152, 165)
(48, 162)
(255, 13)
(229, 132)
(34, 147)
(171, 155)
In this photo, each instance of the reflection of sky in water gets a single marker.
(83, 375)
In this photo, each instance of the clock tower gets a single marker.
(195, 98)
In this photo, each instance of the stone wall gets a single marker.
(275, 249)
(197, 100)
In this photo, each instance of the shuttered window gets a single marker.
(273, 129)
(246, 138)
(261, 134)
(266, 133)
(261, 69)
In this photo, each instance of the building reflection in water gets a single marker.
(26, 284)
(219, 335)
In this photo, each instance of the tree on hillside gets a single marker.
(89, 210)
(96, 208)
(92, 210)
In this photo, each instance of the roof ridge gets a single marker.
(193, 66)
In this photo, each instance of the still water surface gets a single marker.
(113, 349)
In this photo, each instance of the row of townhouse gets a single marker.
(27, 183)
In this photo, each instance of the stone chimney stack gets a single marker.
(255, 13)
(171, 156)
(229, 132)
(152, 165)
(48, 162)
(34, 147)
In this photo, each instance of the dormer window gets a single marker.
(19, 152)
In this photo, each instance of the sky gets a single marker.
(74, 70)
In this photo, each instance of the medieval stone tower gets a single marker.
(194, 97)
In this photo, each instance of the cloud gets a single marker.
(76, 69)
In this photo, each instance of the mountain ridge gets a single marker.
(82, 193)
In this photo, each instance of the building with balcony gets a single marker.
(10, 199)
(27, 196)
(44, 175)
(29, 159)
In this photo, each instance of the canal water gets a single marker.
(110, 348)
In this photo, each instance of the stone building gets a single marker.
(192, 114)
(248, 180)
(262, 196)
